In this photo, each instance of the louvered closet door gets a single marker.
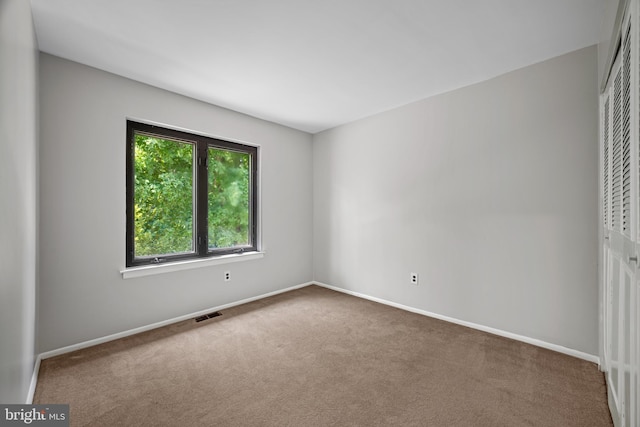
(619, 244)
(620, 125)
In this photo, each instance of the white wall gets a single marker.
(18, 195)
(82, 246)
(488, 192)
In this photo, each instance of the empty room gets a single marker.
(298, 213)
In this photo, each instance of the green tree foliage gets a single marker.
(228, 198)
(164, 194)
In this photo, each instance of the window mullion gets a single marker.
(201, 200)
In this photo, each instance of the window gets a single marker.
(188, 196)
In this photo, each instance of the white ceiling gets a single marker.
(313, 65)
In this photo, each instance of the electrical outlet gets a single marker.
(414, 278)
(227, 276)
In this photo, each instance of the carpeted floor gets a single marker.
(315, 357)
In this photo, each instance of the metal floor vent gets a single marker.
(208, 316)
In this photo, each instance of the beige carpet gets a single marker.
(315, 357)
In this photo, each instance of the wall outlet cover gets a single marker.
(414, 278)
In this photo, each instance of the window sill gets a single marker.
(149, 270)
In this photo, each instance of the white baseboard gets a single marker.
(34, 381)
(499, 332)
(134, 331)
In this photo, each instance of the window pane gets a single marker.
(163, 215)
(228, 188)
